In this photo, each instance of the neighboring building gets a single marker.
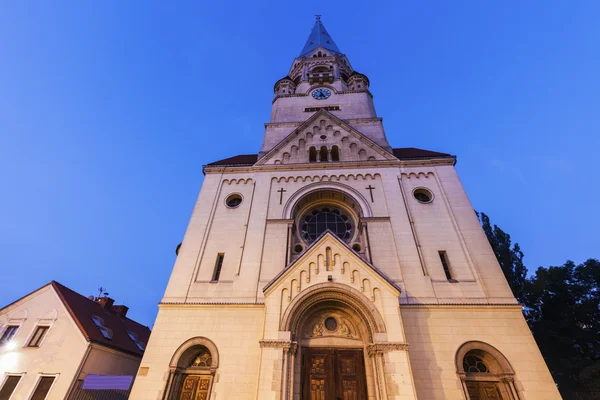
(51, 339)
(333, 266)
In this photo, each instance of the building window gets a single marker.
(218, 266)
(474, 364)
(444, 260)
(317, 221)
(233, 200)
(423, 195)
(38, 336)
(133, 336)
(43, 388)
(323, 154)
(312, 154)
(10, 384)
(106, 332)
(8, 334)
(335, 153)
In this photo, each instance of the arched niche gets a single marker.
(192, 369)
(485, 371)
(332, 295)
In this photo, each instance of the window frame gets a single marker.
(39, 380)
(33, 333)
(9, 374)
(4, 342)
(446, 266)
(218, 268)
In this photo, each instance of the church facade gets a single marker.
(333, 266)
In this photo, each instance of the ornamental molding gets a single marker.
(287, 345)
(386, 347)
(275, 344)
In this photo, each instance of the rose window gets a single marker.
(314, 223)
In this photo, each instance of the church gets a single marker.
(331, 265)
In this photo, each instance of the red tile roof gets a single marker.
(81, 309)
(404, 153)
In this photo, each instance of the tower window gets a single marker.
(312, 154)
(218, 266)
(335, 153)
(323, 155)
(423, 195)
(444, 260)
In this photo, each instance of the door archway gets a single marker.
(192, 369)
(334, 327)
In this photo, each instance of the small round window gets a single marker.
(423, 195)
(233, 200)
(331, 324)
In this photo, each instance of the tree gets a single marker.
(509, 256)
(563, 312)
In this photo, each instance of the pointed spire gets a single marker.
(319, 37)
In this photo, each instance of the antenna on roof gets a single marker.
(102, 291)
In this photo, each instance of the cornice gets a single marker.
(207, 304)
(469, 306)
(333, 165)
(374, 219)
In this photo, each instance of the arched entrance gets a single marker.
(192, 369)
(333, 327)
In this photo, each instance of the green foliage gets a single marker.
(510, 257)
(562, 308)
(564, 315)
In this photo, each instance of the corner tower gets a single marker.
(331, 265)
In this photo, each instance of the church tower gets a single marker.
(331, 265)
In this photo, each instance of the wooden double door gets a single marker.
(195, 387)
(483, 390)
(333, 374)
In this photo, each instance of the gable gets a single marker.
(324, 136)
(331, 260)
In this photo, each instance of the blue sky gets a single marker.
(108, 110)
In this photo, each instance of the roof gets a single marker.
(403, 153)
(242, 159)
(81, 309)
(408, 153)
(319, 37)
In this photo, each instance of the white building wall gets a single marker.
(60, 353)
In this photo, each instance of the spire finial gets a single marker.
(318, 17)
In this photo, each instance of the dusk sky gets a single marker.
(108, 110)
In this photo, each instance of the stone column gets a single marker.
(290, 357)
(397, 354)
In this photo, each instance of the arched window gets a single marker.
(312, 154)
(318, 220)
(323, 154)
(335, 153)
(485, 373)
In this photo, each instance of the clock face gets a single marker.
(321, 93)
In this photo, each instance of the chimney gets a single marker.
(105, 302)
(120, 310)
